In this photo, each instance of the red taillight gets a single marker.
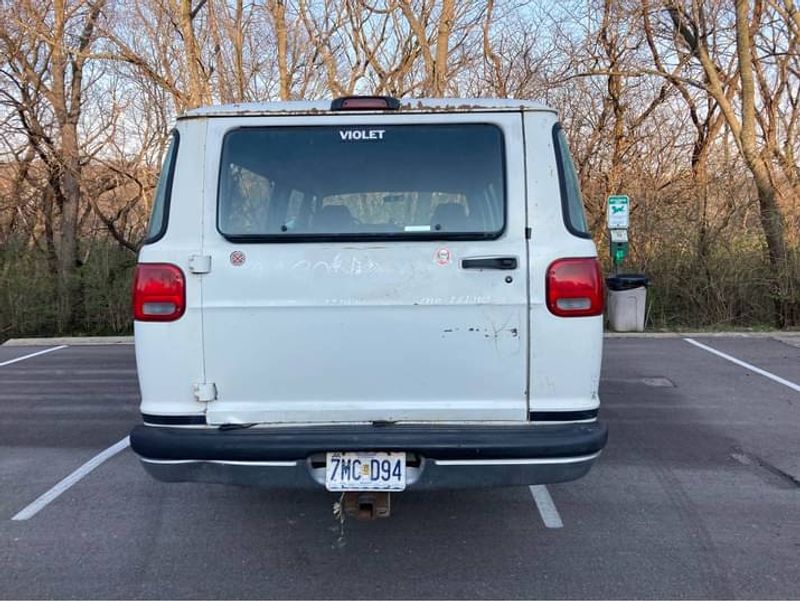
(159, 292)
(575, 287)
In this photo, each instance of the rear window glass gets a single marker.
(574, 215)
(345, 182)
(158, 216)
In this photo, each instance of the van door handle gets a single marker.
(490, 263)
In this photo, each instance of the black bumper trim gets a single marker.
(431, 441)
(562, 416)
(174, 420)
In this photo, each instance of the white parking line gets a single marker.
(739, 362)
(36, 354)
(547, 509)
(52, 494)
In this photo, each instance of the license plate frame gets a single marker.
(355, 471)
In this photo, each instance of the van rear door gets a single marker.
(365, 267)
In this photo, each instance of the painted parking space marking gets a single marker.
(63, 486)
(740, 363)
(547, 508)
(31, 355)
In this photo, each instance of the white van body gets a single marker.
(307, 330)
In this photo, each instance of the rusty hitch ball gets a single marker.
(365, 506)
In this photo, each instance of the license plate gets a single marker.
(365, 471)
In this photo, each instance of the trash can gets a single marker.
(627, 301)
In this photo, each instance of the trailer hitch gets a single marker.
(365, 506)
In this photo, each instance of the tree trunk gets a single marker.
(238, 47)
(442, 48)
(770, 213)
(68, 239)
(67, 180)
(198, 86)
(774, 233)
(277, 9)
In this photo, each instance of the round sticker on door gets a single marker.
(237, 258)
(442, 256)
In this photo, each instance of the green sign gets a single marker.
(618, 212)
(618, 252)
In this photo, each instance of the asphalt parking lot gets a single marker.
(696, 496)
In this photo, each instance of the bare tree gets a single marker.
(46, 49)
(164, 43)
(747, 101)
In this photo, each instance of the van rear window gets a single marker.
(571, 199)
(362, 182)
(160, 211)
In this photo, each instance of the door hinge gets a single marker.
(199, 263)
(205, 392)
(527, 233)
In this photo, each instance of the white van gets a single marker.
(369, 295)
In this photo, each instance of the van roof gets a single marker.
(315, 107)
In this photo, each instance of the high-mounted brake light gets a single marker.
(159, 292)
(575, 287)
(365, 103)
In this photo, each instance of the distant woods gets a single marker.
(689, 106)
